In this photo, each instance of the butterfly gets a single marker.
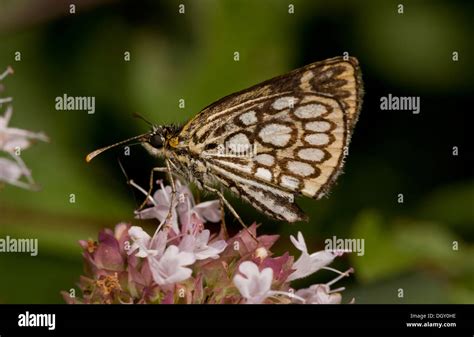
(267, 144)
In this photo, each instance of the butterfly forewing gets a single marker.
(283, 137)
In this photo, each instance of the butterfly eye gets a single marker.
(156, 141)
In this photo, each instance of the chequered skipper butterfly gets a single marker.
(296, 126)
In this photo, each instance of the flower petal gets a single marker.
(186, 258)
(9, 170)
(248, 269)
(266, 278)
(209, 210)
(242, 285)
(300, 244)
(181, 274)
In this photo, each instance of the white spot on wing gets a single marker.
(238, 143)
(318, 126)
(239, 138)
(276, 134)
(317, 138)
(310, 111)
(248, 118)
(265, 159)
(311, 154)
(290, 182)
(284, 102)
(264, 174)
(300, 168)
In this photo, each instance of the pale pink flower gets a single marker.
(12, 139)
(11, 172)
(308, 264)
(322, 293)
(199, 245)
(171, 266)
(254, 285)
(183, 208)
(130, 266)
(145, 244)
(318, 294)
(160, 207)
(191, 214)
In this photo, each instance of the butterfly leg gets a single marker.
(223, 230)
(231, 209)
(173, 194)
(150, 189)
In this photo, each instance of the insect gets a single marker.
(269, 143)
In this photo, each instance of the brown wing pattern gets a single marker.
(283, 137)
(335, 77)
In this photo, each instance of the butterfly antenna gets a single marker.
(141, 138)
(139, 116)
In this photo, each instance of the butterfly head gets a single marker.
(158, 138)
(163, 136)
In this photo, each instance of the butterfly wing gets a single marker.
(281, 138)
(335, 77)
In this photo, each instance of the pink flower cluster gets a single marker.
(184, 263)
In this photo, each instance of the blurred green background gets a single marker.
(174, 56)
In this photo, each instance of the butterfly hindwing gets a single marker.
(283, 137)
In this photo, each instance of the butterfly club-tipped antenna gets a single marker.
(139, 116)
(141, 139)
